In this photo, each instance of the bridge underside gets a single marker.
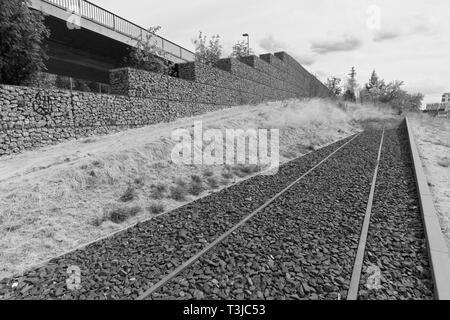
(81, 53)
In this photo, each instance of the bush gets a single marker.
(22, 33)
(207, 53)
(241, 50)
(147, 56)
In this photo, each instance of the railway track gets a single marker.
(295, 235)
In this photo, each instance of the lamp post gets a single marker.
(248, 42)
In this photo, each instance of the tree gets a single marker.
(333, 84)
(390, 91)
(207, 52)
(351, 83)
(22, 33)
(349, 94)
(147, 55)
(374, 89)
(240, 50)
(374, 82)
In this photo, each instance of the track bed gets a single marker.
(293, 235)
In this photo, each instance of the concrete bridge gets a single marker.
(87, 41)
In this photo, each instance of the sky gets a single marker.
(405, 40)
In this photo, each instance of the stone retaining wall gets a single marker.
(32, 117)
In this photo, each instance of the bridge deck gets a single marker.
(94, 18)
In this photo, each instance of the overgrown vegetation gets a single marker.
(148, 56)
(207, 51)
(22, 32)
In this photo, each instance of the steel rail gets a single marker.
(357, 268)
(225, 235)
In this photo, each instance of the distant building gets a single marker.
(438, 109)
(446, 98)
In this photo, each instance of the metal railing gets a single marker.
(96, 14)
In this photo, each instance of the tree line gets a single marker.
(376, 91)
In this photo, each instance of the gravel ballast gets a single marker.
(302, 246)
(396, 250)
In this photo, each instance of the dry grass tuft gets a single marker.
(156, 208)
(121, 215)
(213, 183)
(196, 185)
(178, 192)
(158, 191)
(118, 215)
(129, 195)
(208, 173)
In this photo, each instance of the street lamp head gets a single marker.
(245, 35)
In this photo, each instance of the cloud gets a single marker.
(345, 43)
(384, 35)
(270, 44)
(422, 25)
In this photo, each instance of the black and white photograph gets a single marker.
(224, 159)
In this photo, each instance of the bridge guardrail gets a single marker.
(96, 14)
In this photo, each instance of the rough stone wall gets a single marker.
(32, 117)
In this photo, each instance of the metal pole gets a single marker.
(248, 42)
(248, 45)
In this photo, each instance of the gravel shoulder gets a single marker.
(433, 141)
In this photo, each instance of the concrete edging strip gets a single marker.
(437, 247)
